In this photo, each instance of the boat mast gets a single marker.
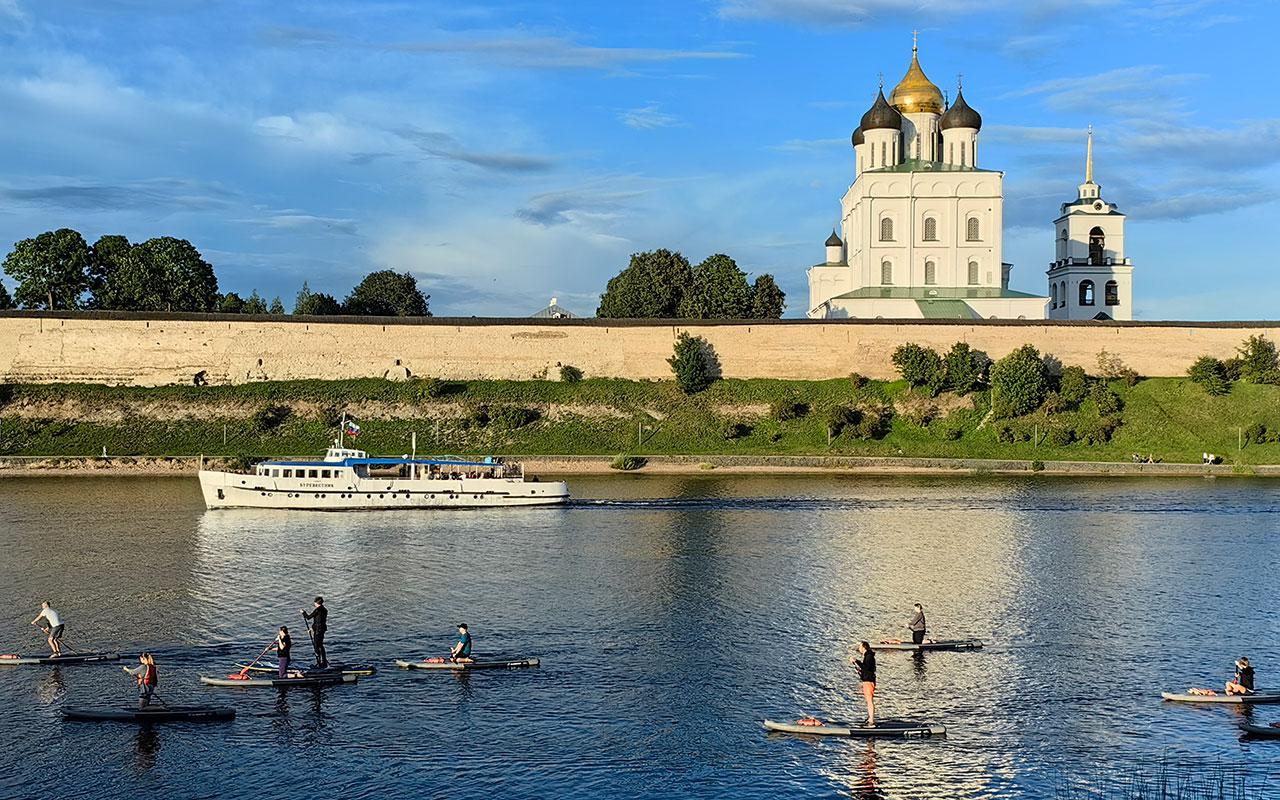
(342, 429)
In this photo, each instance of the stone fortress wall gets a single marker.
(157, 349)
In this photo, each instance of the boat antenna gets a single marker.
(342, 428)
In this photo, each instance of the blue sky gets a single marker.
(508, 152)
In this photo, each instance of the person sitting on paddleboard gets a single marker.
(147, 678)
(865, 665)
(319, 618)
(917, 625)
(1243, 681)
(282, 646)
(461, 652)
(55, 629)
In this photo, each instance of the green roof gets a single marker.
(920, 165)
(946, 309)
(934, 293)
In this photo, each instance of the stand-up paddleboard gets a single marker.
(1260, 731)
(360, 670)
(464, 666)
(884, 728)
(14, 659)
(328, 679)
(941, 644)
(151, 714)
(1253, 698)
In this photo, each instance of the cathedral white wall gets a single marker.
(952, 138)
(920, 136)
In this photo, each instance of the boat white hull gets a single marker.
(235, 490)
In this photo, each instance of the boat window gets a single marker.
(275, 473)
(313, 473)
(324, 473)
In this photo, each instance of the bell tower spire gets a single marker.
(1088, 160)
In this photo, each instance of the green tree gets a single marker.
(1073, 386)
(965, 368)
(919, 366)
(231, 303)
(717, 290)
(1259, 361)
(189, 282)
(767, 300)
(277, 307)
(1210, 373)
(109, 253)
(5, 301)
(134, 282)
(693, 363)
(255, 304)
(387, 293)
(51, 271)
(311, 303)
(651, 287)
(1019, 382)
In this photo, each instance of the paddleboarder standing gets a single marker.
(54, 631)
(318, 617)
(917, 625)
(147, 676)
(461, 652)
(282, 645)
(864, 663)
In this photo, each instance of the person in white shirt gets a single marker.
(54, 631)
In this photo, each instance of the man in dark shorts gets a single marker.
(917, 625)
(54, 631)
(319, 617)
(461, 652)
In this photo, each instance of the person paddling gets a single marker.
(461, 652)
(319, 619)
(282, 645)
(55, 629)
(1243, 681)
(917, 625)
(147, 676)
(865, 665)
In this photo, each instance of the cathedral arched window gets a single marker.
(930, 229)
(930, 273)
(973, 273)
(963, 162)
(1062, 287)
(886, 273)
(1097, 245)
(1086, 293)
(971, 230)
(1112, 293)
(886, 229)
(1053, 295)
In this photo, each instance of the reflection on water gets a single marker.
(671, 616)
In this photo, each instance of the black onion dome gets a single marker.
(960, 115)
(881, 115)
(833, 240)
(858, 138)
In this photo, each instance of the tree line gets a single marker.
(59, 270)
(661, 284)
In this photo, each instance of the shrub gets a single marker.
(1019, 382)
(693, 363)
(1014, 431)
(268, 418)
(1255, 434)
(733, 430)
(920, 366)
(1111, 367)
(1259, 361)
(570, 374)
(1060, 436)
(1211, 374)
(627, 463)
(511, 417)
(1107, 401)
(950, 428)
(919, 409)
(428, 389)
(1037, 466)
(783, 410)
(1099, 431)
(1053, 403)
(1073, 386)
(839, 418)
(873, 423)
(330, 417)
(1233, 368)
(965, 368)
(477, 416)
(858, 380)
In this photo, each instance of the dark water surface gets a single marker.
(671, 616)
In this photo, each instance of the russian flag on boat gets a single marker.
(352, 428)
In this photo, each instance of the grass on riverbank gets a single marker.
(1172, 419)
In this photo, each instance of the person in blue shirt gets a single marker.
(461, 652)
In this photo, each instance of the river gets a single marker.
(671, 615)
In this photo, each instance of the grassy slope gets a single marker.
(1170, 418)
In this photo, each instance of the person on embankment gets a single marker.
(319, 619)
(54, 631)
(864, 663)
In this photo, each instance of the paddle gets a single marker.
(307, 622)
(45, 633)
(240, 676)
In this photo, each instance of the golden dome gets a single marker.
(915, 93)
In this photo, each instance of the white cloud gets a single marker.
(648, 117)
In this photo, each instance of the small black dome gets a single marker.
(858, 138)
(960, 115)
(833, 240)
(881, 115)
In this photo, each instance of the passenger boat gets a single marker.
(347, 479)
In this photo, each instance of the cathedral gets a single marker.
(921, 227)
